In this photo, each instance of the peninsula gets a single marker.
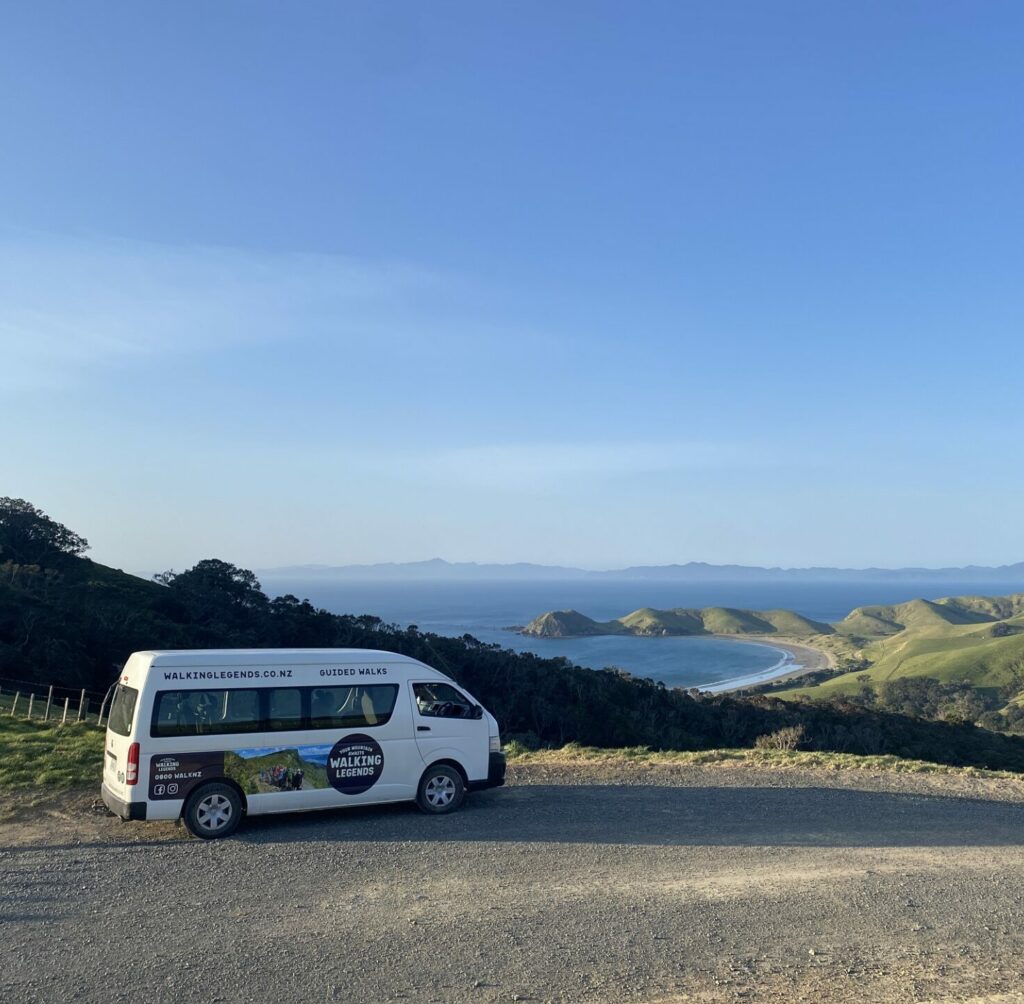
(976, 640)
(650, 623)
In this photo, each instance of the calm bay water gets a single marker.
(486, 609)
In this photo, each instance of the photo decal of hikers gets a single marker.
(282, 778)
(276, 770)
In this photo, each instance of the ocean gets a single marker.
(487, 609)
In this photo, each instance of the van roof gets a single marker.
(269, 656)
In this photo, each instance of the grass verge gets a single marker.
(49, 757)
(573, 754)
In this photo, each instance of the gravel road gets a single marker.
(589, 884)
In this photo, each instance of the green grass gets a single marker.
(957, 653)
(51, 757)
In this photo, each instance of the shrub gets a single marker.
(788, 738)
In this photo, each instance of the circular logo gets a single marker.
(354, 764)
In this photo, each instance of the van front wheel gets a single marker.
(214, 810)
(441, 790)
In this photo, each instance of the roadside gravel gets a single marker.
(591, 882)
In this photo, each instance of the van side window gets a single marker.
(206, 712)
(439, 700)
(284, 709)
(354, 707)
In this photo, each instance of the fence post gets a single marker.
(31, 699)
(81, 705)
(65, 718)
(14, 706)
(49, 701)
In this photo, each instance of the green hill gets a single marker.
(570, 624)
(795, 625)
(974, 639)
(725, 620)
(649, 622)
(884, 621)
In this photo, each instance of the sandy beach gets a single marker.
(802, 658)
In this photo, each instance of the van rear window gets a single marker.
(122, 710)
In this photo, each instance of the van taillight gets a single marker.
(131, 774)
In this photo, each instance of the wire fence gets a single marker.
(52, 703)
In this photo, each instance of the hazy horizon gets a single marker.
(437, 559)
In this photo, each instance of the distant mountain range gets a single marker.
(437, 569)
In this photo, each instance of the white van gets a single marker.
(208, 736)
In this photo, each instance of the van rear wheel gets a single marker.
(441, 790)
(212, 811)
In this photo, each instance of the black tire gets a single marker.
(441, 790)
(213, 811)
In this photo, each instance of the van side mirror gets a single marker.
(478, 712)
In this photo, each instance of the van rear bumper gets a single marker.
(119, 807)
(495, 773)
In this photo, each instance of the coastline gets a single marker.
(798, 659)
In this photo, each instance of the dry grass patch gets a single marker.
(771, 759)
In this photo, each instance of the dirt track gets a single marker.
(685, 884)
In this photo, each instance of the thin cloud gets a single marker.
(68, 305)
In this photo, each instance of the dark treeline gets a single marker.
(69, 621)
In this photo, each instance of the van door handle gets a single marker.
(422, 728)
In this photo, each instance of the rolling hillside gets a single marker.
(973, 639)
(868, 623)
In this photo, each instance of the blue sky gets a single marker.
(587, 283)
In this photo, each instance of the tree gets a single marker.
(219, 582)
(29, 537)
(921, 696)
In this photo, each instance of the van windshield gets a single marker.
(122, 710)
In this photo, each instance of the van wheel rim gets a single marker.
(440, 790)
(213, 812)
